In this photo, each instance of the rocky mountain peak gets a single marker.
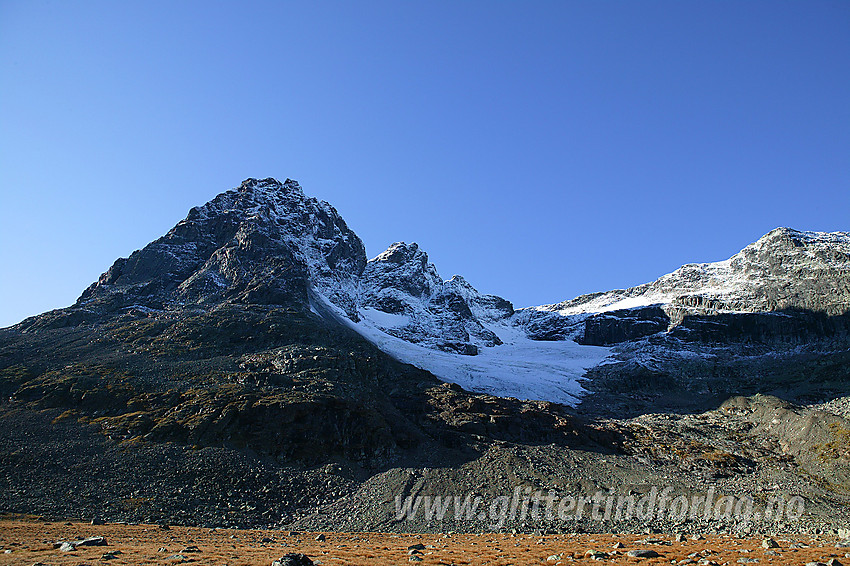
(269, 182)
(263, 242)
(404, 268)
(400, 252)
(781, 248)
(270, 188)
(423, 308)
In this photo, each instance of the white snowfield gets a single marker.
(520, 367)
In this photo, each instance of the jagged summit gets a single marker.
(402, 294)
(805, 237)
(264, 242)
(400, 252)
(269, 182)
(269, 188)
(403, 267)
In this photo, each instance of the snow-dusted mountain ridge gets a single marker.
(266, 243)
(784, 269)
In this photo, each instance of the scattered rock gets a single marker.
(769, 543)
(68, 546)
(90, 541)
(293, 559)
(97, 521)
(643, 553)
(320, 537)
(657, 541)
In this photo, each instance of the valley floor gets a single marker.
(30, 540)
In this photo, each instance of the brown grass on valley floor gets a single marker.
(31, 542)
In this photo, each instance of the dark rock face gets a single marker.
(620, 326)
(546, 325)
(786, 327)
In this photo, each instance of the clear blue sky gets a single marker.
(541, 149)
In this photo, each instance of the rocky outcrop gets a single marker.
(818, 440)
